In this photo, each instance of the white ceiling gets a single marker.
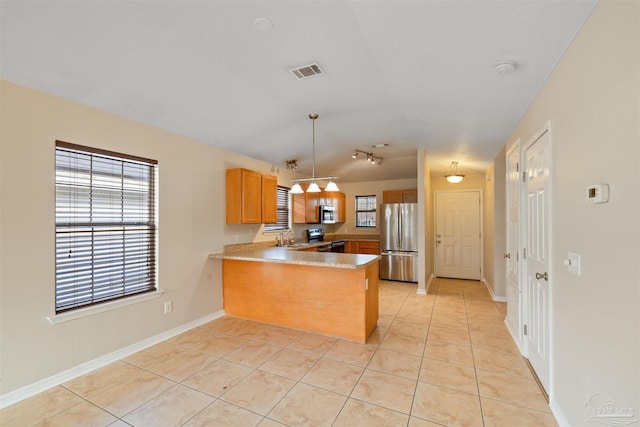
(413, 74)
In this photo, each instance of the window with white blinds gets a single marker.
(282, 195)
(105, 226)
(366, 211)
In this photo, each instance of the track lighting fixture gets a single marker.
(292, 165)
(374, 160)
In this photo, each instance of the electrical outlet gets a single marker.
(168, 306)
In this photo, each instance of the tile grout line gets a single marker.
(473, 357)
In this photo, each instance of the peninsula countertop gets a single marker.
(283, 255)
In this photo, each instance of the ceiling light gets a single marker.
(296, 189)
(369, 156)
(383, 145)
(313, 187)
(454, 176)
(331, 186)
(292, 165)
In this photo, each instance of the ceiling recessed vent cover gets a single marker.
(307, 71)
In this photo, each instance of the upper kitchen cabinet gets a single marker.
(269, 199)
(248, 200)
(312, 201)
(400, 196)
(298, 208)
(339, 204)
(305, 206)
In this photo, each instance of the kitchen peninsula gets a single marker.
(333, 294)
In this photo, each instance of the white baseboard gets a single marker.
(514, 337)
(429, 282)
(557, 413)
(64, 376)
(490, 289)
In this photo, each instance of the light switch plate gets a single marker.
(574, 263)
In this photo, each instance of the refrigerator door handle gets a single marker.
(395, 253)
(400, 227)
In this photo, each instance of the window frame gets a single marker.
(131, 244)
(282, 194)
(369, 211)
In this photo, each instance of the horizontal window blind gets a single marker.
(105, 226)
(282, 195)
(366, 211)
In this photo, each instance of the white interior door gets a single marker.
(458, 234)
(536, 246)
(512, 254)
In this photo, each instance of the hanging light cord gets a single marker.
(313, 118)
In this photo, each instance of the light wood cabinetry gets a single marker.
(326, 300)
(400, 196)
(304, 207)
(410, 196)
(298, 209)
(312, 201)
(269, 199)
(339, 204)
(250, 197)
(366, 247)
(362, 247)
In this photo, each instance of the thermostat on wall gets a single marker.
(598, 193)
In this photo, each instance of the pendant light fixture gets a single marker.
(454, 176)
(313, 187)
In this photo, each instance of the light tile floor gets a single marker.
(445, 358)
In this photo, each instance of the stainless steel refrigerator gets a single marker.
(399, 241)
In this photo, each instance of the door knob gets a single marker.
(507, 256)
(542, 276)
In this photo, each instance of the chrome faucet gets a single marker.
(281, 237)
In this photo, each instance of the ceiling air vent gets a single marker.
(306, 71)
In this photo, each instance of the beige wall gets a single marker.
(494, 227)
(192, 225)
(592, 99)
(428, 221)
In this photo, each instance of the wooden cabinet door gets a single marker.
(392, 196)
(339, 202)
(251, 197)
(299, 209)
(243, 196)
(400, 196)
(269, 199)
(233, 185)
(312, 201)
(351, 247)
(372, 248)
(410, 196)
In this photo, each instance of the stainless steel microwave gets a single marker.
(327, 214)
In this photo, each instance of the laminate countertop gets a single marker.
(283, 255)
